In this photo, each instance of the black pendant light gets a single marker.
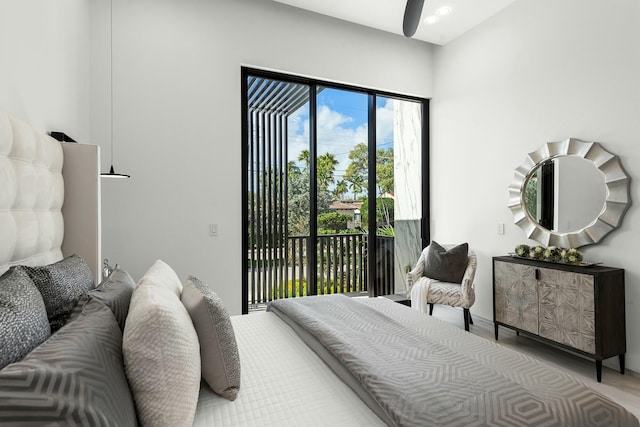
(412, 17)
(112, 173)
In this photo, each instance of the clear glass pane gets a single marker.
(342, 160)
(278, 191)
(398, 191)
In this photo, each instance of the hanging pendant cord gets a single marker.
(111, 74)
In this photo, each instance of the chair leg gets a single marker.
(430, 309)
(465, 312)
(470, 318)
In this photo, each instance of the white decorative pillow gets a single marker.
(218, 347)
(160, 273)
(161, 355)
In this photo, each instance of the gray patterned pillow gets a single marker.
(61, 285)
(75, 378)
(23, 317)
(447, 265)
(115, 292)
(218, 347)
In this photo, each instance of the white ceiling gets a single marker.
(387, 15)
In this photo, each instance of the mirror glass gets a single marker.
(565, 194)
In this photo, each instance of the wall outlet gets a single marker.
(500, 229)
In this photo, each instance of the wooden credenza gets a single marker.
(578, 308)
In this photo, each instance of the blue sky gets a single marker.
(342, 123)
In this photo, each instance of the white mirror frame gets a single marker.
(615, 206)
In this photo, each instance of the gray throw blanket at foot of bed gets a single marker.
(392, 357)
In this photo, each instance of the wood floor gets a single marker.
(623, 389)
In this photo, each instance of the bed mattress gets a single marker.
(283, 383)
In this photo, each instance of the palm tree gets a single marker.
(341, 189)
(305, 157)
(326, 168)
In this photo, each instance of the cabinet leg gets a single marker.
(599, 370)
(621, 357)
(495, 326)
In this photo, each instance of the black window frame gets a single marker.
(372, 94)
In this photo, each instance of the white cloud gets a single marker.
(384, 125)
(336, 133)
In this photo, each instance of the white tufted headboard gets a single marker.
(31, 195)
(34, 197)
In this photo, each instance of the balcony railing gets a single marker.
(282, 272)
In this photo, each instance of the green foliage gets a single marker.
(298, 201)
(531, 197)
(326, 168)
(326, 231)
(294, 289)
(386, 230)
(536, 252)
(571, 256)
(333, 220)
(523, 250)
(551, 254)
(299, 188)
(298, 288)
(384, 170)
(342, 188)
(352, 231)
(384, 211)
(355, 178)
(356, 173)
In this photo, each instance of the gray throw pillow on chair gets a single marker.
(446, 265)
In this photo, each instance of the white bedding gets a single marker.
(283, 383)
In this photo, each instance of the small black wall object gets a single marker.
(61, 136)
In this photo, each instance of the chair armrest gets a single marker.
(469, 275)
(414, 275)
(417, 271)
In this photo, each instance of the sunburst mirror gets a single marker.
(569, 193)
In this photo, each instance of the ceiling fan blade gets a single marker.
(412, 17)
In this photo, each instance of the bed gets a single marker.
(163, 351)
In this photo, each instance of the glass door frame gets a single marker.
(372, 95)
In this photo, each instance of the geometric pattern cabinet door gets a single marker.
(516, 297)
(575, 307)
(566, 308)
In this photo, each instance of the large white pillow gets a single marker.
(161, 274)
(161, 354)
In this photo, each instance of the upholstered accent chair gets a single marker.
(429, 291)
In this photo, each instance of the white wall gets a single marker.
(177, 117)
(44, 64)
(539, 71)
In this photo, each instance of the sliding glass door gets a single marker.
(400, 190)
(318, 158)
(341, 190)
